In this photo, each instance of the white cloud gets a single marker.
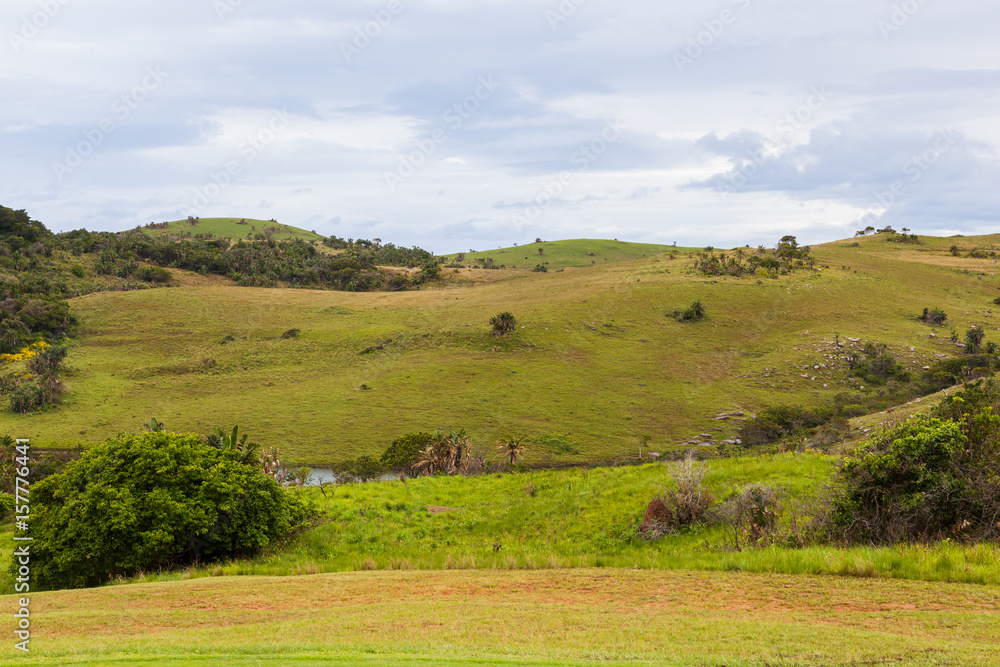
(354, 121)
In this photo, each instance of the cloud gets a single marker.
(690, 134)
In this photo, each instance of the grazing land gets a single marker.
(598, 365)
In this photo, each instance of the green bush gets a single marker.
(154, 274)
(404, 452)
(78, 271)
(152, 502)
(696, 311)
(934, 316)
(903, 485)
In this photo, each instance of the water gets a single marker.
(326, 475)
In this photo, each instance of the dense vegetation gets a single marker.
(153, 501)
(787, 256)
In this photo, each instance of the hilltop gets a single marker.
(234, 228)
(562, 254)
(598, 368)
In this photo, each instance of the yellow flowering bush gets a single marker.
(25, 353)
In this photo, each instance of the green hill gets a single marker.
(236, 228)
(597, 366)
(561, 254)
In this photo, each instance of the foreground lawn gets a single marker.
(551, 617)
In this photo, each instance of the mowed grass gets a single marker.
(597, 362)
(562, 254)
(230, 227)
(548, 617)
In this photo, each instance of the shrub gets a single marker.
(903, 484)
(934, 316)
(686, 505)
(974, 340)
(404, 452)
(152, 501)
(154, 274)
(696, 311)
(503, 324)
(78, 271)
(291, 333)
(540, 268)
(752, 514)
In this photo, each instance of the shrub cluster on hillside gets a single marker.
(787, 257)
(875, 366)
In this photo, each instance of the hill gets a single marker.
(598, 366)
(562, 254)
(234, 228)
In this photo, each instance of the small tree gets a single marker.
(974, 340)
(511, 448)
(503, 324)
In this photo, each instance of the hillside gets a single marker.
(562, 254)
(597, 366)
(234, 228)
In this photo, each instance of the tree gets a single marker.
(404, 452)
(503, 324)
(511, 448)
(974, 340)
(149, 502)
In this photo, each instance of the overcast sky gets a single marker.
(456, 125)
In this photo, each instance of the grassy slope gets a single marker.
(595, 359)
(562, 254)
(228, 227)
(549, 617)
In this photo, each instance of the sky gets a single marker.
(471, 125)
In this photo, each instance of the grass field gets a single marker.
(596, 364)
(547, 617)
(230, 227)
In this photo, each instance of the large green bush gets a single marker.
(929, 478)
(151, 502)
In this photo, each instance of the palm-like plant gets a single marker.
(503, 324)
(512, 448)
(447, 453)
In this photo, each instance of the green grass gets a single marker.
(597, 362)
(553, 617)
(578, 518)
(562, 254)
(229, 227)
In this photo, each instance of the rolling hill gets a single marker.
(597, 367)
(236, 228)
